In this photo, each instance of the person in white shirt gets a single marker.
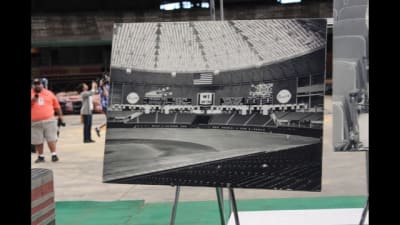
(87, 109)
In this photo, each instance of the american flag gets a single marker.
(202, 79)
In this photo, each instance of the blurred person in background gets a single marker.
(87, 109)
(104, 89)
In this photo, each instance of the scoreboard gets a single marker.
(205, 98)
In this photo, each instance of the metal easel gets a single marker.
(366, 207)
(219, 190)
(220, 199)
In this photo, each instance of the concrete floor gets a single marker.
(78, 174)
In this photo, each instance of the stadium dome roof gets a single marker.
(213, 45)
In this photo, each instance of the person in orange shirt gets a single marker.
(43, 124)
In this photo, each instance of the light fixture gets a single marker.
(170, 6)
(205, 5)
(187, 5)
(288, 1)
(128, 70)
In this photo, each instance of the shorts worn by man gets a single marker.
(43, 124)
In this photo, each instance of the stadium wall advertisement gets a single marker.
(309, 132)
(282, 92)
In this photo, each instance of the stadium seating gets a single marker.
(121, 116)
(281, 114)
(335, 14)
(270, 123)
(313, 125)
(348, 76)
(147, 118)
(342, 7)
(350, 46)
(351, 27)
(239, 119)
(294, 116)
(350, 71)
(352, 49)
(338, 4)
(260, 33)
(165, 118)
(258, 120)
(255, 119)
(211, 45)
(353, 12)
(185, 118)
(295, 169)
(219, 119)
(314, 117)
(346, 129)
(355, 2)
(341, 128)
(116, 94)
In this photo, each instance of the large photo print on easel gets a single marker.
(217, 103)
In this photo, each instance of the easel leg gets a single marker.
(364, 213)
(173, 215)
(233, 205)
(229, 203)
(220, 198)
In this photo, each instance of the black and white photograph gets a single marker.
(217, 103)
(350, 76)
(216, 112)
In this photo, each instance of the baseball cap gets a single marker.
(36, 81)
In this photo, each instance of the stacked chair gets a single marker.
(350, 71)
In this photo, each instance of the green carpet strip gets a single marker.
(194, 213)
